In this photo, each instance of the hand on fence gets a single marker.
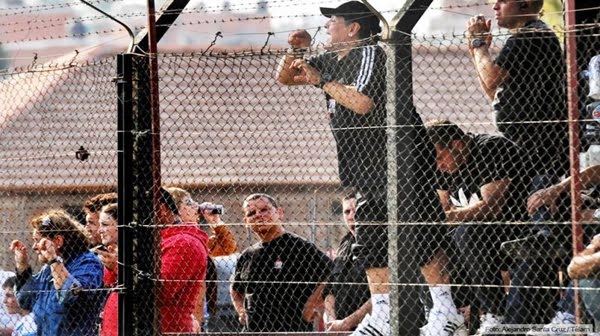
(299, 39)
(544, 197)
(109, 257)
(337, 325)
(243, 318)
(196, 327)
(593, 247)
(308, 74)
(479, 27)
(21, 256)
(46, 248)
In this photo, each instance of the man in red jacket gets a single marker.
(183, 267)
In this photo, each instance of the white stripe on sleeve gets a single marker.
(366, 68)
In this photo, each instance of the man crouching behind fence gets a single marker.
(277, 282)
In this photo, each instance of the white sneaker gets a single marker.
(487, 322)
(372, 326)
(561, 318)
(444, 323)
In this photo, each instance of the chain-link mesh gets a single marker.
(299, 208)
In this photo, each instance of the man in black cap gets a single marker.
(352, 75)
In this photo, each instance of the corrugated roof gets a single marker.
(224, 120)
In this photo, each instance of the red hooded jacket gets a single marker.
(110, 315)
(183, 261)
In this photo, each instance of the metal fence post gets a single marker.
(125, 192)
(401, 122)
(574, 141)
(146, 243)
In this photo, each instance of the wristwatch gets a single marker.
(325, 78)
(477, 43)
(56, 259)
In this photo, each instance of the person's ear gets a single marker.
(354, 29)
(458, 144)
(59, 242)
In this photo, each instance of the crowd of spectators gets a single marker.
(471, 194)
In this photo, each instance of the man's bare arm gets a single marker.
(352, 320)
(489, 208)
(312, 303)
(489, 74)
(298, 40)
(237, 299)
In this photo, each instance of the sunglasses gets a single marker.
(190, 202)
(46, 222)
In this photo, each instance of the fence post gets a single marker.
(402, 121)
(147, 252)
(137, 242)
(574, 141)
(124, 83)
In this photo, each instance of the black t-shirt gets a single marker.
(491, 158)
(534, 91)
(277, 278)
(348, 281)
(360, 139)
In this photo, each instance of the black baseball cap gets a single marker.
(353, 11)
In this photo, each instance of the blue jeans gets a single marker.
(590, 295)
(533, 305)
(478, 252)
(567, 303)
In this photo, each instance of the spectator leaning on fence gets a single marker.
(107, 252)
(65, 294)
(26, 325)
(482, 182)
(557, 200)
(92, 207)
(526, 84)
(278, 282)
(584, 267)
(220, 243)
(347, 297)
(590, 177)
(183, 258)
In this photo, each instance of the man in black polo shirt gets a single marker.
(526, 85)
(278, 282)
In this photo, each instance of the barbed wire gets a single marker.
(498, 33)
(151, 277)
(49, 7)
(584, 28)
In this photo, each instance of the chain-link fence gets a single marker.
(409, 186)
